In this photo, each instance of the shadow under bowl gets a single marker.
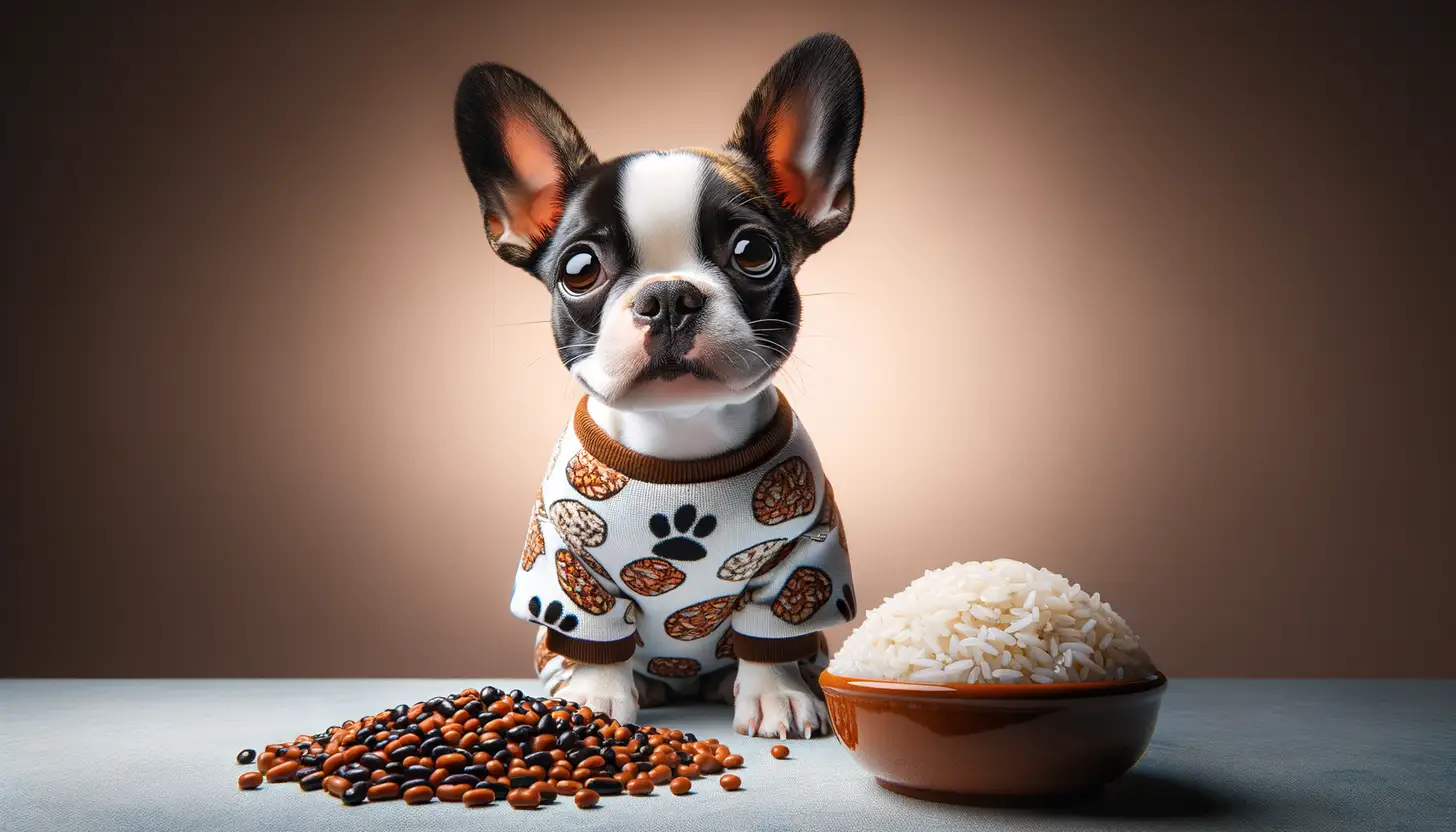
(988, 743)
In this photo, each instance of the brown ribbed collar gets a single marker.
(613, 454)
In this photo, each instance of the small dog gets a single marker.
(685, 541)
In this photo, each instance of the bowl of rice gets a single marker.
(993, 679)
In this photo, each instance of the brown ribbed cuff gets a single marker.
(775, 650)
(590, 652)
(618, 457)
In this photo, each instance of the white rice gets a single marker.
(993, 622)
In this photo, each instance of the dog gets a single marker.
(685, 540)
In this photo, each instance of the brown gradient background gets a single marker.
(1154, 295)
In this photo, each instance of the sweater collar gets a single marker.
(763, 445)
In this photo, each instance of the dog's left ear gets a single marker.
(802, 127)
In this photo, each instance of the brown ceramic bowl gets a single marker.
(983, 743)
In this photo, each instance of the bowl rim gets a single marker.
(960, 691)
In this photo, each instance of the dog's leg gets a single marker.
(605, 688)
(772, 700)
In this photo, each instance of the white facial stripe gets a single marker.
(661, 195)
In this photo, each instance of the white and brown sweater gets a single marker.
(682, 566)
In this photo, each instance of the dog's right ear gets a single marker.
(521, 153)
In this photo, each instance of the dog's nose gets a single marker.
(668, 305)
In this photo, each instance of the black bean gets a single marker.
(604, 786)
(684, 758)
(399, 711)
(495, 746)
(567, 741)
(517, 695)
(354, 772)
(504, 755)
(547, 796)
(522, 781)
(584, 731)
(403, 751)
(540, 708)
(394, 768)
(373, 762)
(434, 732)
(247, 755)
(410, 784)
(355, 794)
(302, 772)
(478, 772)
(690, 737)
(500, 789)
(540, 758)
(630, 727)
(418, 771)
(396, 779)
(473, 707)
(457, 779)
(490, 694)
(576, 755)
(311, 759)
(639, 757)
(427, 748)
(640, 737)
(521, 733)
(399, 723)
(312, 782)
(577, 719)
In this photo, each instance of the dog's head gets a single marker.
(671, 273)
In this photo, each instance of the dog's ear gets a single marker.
(802, 126)
(521, 152)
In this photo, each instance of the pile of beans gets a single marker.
(482, 746)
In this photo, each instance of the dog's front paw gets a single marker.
(607, 689)
(771, 700)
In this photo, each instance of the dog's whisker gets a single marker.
(522, 323)
(822, 294)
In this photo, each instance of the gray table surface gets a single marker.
(1227, 755)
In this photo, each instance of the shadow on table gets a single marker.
(1136, 795)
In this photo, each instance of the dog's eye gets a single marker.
(580, 271)
(754, 255)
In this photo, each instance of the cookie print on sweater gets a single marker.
(784, 493)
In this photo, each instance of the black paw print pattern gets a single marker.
(846, 604)
(686, 521)
(552, 617)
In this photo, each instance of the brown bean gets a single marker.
(250, 780)
(708, 765)
(567, 788)
(689, 771)
(453, 762)
(523, 799)
(336, 785)
(680, 785)
(438, 775)
(467, 741)
(282, 772)
(266, 760)
(779, 752)
(377, 775)
(640, 787)
(384, 791)
(733, 761)
(545, 792)
(660, 775)
(595, 761)
(477, 797)
(586, 798)
(730, 782)
(333, 762)
(419, 794)
(543, 742)
(453, 793)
